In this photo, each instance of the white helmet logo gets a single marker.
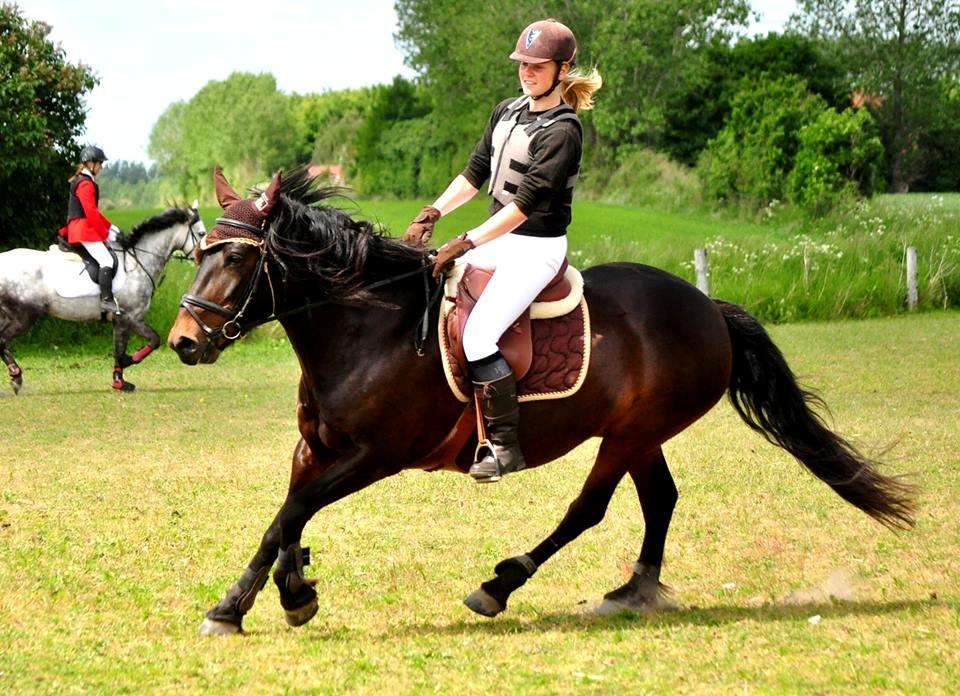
(531, 37)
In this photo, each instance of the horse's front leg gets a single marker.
(316, 482)
(121, 334)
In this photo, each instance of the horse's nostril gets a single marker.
(184, 345)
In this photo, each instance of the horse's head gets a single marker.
(228, 294)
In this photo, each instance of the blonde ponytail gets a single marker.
(80, 168)
(577, 88)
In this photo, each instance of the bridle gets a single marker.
(236, 326)
(233, 318)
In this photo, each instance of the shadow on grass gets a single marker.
(699, 616)
(143, 387)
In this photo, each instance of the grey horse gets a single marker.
(34, 283)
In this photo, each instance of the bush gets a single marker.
(753, 154)
(840, 155)
(648, 178)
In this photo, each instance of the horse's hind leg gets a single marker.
(584, 512)
(13, 369)
(658, 496)
(11, 326)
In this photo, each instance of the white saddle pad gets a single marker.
(68, 276)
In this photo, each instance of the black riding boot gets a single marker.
(496, 391)
(108, 305)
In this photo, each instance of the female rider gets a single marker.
(87, 230)
(531, 153)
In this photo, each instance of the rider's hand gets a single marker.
(421, 229)
(450, 251)
(114, 233)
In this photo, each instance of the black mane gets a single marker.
(164, 220)
(326, 245)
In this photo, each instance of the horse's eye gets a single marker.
(233, 259)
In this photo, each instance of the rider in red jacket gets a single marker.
(87, 230)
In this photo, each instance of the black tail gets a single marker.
(765, 393)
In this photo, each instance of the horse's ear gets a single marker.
(268, 198)
(195, 205)
(225, 193)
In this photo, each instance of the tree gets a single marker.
(41, 115)
(696, 109)
(461, 50)
(898, 53)
(388, 151)
(327, 124)
(242, 123)
(649, 50)
(125, 184)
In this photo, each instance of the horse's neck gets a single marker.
(154, 250)
(344, 332)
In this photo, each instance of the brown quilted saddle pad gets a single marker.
(548, 347)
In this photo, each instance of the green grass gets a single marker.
(123, 517)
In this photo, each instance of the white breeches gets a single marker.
(99, 251)
(522, 268)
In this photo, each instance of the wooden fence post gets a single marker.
(911, 278)
(703, 270)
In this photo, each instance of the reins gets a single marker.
(188, 302)
(134, 252)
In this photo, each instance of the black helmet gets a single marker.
(92, 153)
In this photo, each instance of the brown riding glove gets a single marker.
(450, 251)
(421, 229)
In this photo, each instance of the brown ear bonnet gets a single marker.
(243, 220)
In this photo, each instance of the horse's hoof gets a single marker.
(209, 627)
(483, 603)
(16, 384)
(124, 386)
(300, 616)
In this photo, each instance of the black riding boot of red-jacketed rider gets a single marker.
(108, 305)
(495, 388)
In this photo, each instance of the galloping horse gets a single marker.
(351, 302)
(34, 283)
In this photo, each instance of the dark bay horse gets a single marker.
(34, 283)
(351, 301)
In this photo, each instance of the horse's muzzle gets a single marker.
(192, 347)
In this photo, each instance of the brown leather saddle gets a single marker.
(547, 347)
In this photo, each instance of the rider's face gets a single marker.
(536, 78)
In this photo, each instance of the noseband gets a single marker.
(232, 329)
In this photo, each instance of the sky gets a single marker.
(149, 55)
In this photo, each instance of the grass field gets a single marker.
(123, 517)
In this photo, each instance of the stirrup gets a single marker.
(487, 466)
(108, 308)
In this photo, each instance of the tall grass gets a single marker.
(784, 268)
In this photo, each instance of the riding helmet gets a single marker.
(544, 41)
(92, 153)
